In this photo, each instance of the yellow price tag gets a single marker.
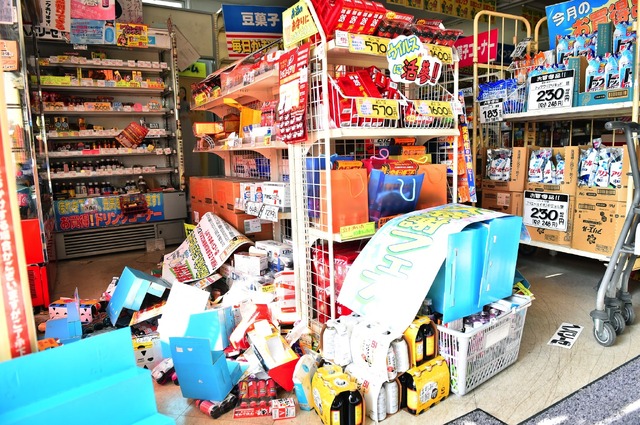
(443, 53)
(356, 231)
(386, 109)
(368, 44)
(434, 108)
(269, 288)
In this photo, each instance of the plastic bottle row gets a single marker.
(82, 189)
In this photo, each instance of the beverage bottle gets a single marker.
(356, 408)
(429, 342)
(142, 185)
(262, 393)
(419, 347)
(244, 393)
(259, 197)
(71, 191)
(90, 190)
(382, 404)
(412, 395)
(391, 388)
(337, 410)
(252, 392)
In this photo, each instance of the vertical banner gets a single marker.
(17, 328)
(294, 90)
(298, 24)
(577, 17)
(56, 14)
(250, 28)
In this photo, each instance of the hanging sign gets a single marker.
(250, 28)
(546, 210)
(410, 62)
(294, 87)
(298, 24)
(551, 91)
(56, 14)
(487, 48)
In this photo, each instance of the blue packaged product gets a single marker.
(612, 72)
(602, 172)
(615, 169)
(559, 169)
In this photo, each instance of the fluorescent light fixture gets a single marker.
(168, 3)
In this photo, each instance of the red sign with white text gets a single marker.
(487, 48)
(294, 90)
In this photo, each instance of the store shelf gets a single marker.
(94, 175)
(342, 55)
(79, 154)
(114, 67)
(566, 250)
(261, 89)
(60, 138)
(66, 44)
(382, 133)
(160, 112)
(222, 149)
(578, 112)
(99, 89)
(317, 234)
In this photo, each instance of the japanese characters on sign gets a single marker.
(583, 16)
(91, 213)
(294, 88)
(546, 210)
(553, 90)
(56, 15)
(410, 62)
(298, 24)
(487, 48)
(250, 28)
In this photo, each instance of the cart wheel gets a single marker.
(629, 314)
(607, 337)
(618, 322)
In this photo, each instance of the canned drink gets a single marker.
(392, 372)
(272, 393)
(210, 408)
(262, 392)
(329, 342)
(347, 165)
(382, 404)
(401, 351)
(252, 392)
(243, 388)
(400, 168)
(391, 388)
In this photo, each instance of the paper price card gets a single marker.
(491, 111)
(434, 108)
(443, 53)
(253, 208)
(369, 44)
(356, 231)
(269, 212)
(386, 109)
(546, 210)
(551, 91)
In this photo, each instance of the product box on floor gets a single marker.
(517, 174)
(556, 237)
(88, 309)
(147, 350)
(425, 385)
(335, 395)
(597, 225)
(503, 201)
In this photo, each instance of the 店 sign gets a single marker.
(553, 90)
(583, 16)
(298, 24)
(546, 210)
(410, 62)
(487, 48)
(250, 28)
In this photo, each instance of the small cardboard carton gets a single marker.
(274, 353)
(597, 225)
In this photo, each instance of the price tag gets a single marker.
(443, 53)
(491, 110)
(252, 226)
(551, 91)
(368, 44)
(357, 231)
(386, 109)
(546, 210)
(434, 108)
(521, 48)
(269, 212)
(253, 208)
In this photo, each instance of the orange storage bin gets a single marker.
(349, 198)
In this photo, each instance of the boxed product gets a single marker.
(159, 38)
(597, 225)
(274, 353)
(274, 250)
(277, 193)
(88, 309)
(250, 263)
(503, 201)
(147, 350)
(425, 385)
(603, 172)
(283, 408)
(506, 169)
(553, 169)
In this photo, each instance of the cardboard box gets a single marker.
(605, 97)
(506, 202)
(88, 309)
(252, 227)
(519, 167)
(283, 408)
(147, 350)
(597, 225)
(571, 155)
(579, 65)
(555, 236)
(132, 289)
(250, 263)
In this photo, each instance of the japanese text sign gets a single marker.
(249, 28)
(487, 48)
(577, 17)
(410, 62)
(298, 24)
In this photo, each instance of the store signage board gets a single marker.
(551, 91)
(577, 17)
(491, 111)
(297, 24)
(56, 14)
(546, 210)
(249, 28)
(411, 63)
(293, 74)
(357, 231)
(487, 48)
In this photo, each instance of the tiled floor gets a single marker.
(564, 289)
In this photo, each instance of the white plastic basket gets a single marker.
(476, 356)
